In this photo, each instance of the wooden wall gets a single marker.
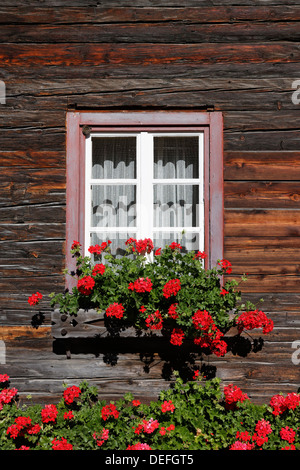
(69, 54)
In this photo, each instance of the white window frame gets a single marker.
(144, 182)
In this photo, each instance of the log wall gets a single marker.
(241, 59)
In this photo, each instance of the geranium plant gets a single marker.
(165, 290)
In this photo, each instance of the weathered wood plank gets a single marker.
(163, 32)
(144, 54)
(114, 14)
(268, 194)
(143, 70)
(260, 223)
(31, 159)
(265, 165)
(224, 94)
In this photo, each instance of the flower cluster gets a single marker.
(147, 427)
(226, 266)
(61, 444)
(98, 249)
(171, 291)
(280, 404)
(167, 406)
(35, 298)
(7, 395)
(233, 395)
(210, 335)
(140, 246)
(254, 319)
(171, 287)
(177, 337)
(154, 321)
(109, 410)
(71, 393)
(100, 438)
(139, 446)
(98, 269)
(141, 285)
(288, 434)
(22, 425)
(85, 285)
(49, 414)
(115, 310)
(172, 311)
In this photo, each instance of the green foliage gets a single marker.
(187, 416)
(200, 289)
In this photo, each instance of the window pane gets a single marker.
(188, 241)
(117, 246)
(175, 205)
(113, 206)
(176, 157)
(114, 157)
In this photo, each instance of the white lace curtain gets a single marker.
(175, 200)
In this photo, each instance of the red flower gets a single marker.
(254, 319)
(68, 415)
(109, 410)
(263, 428)
(115, 310)
(75, 245)
(150, 426)
(175, 246)
(71, 393)
(139, 446)
(172, 287)
(98, 269)
(35, 298)
(201, 255)
(233, 395)
(101, 438)
(177, 336)
(287, 434)
(49, 413)
(7, 395)
(136, 402)
(85, 285)
(158, 252)
(167, 406)
(61, 444)
(241, 446)
(226, 266)
(154, 321)
(141, 285)
(224, 292)
(144, 246)
(243, 436)
(172, 311)
(4, 378)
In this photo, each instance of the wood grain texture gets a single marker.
(239, 59)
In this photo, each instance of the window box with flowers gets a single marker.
(164, 291)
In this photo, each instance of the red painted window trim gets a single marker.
(209, 122)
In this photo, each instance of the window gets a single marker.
(155, 175)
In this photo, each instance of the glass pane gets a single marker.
(114, 157)
(117, 245)
(188, 241)
(175, 205)
(176, 157)
(113, 206)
